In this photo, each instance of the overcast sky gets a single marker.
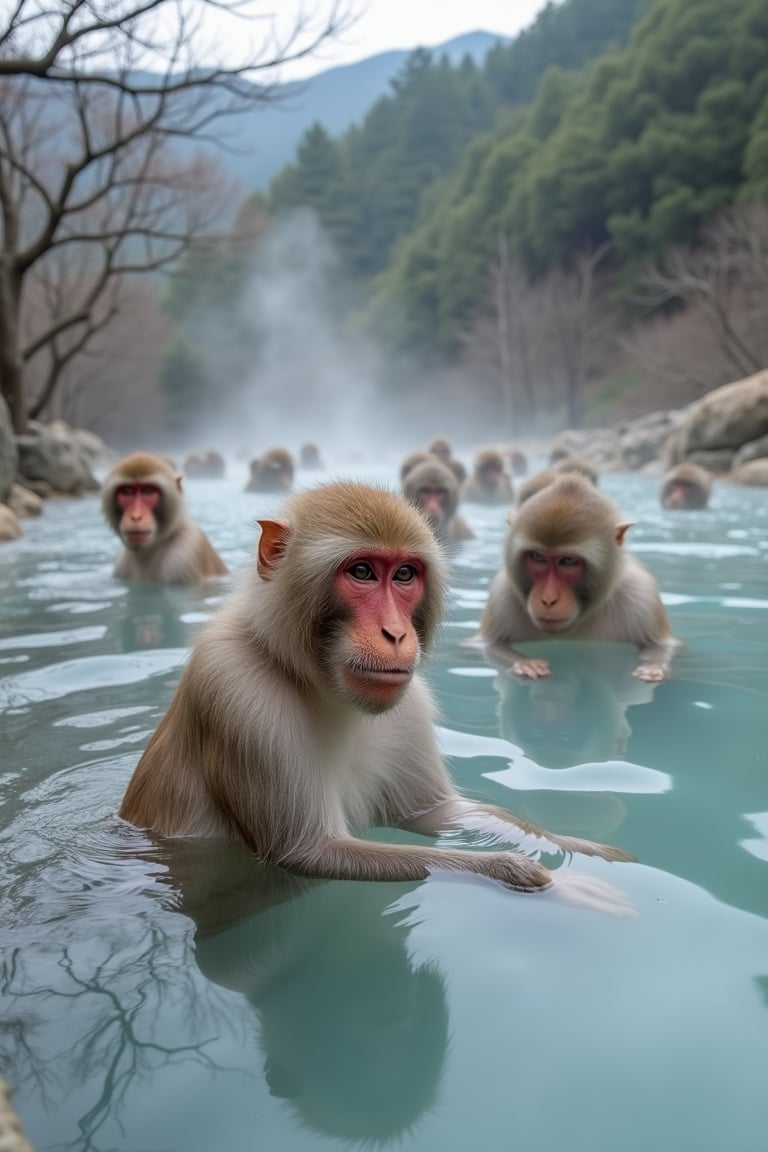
(385, 24)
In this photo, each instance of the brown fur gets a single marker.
(478, 489)
(261, 744)
(619, 599)
(410, 461)
(181, 553)
(272, 472)
(753, 474)
(535, 484)
(696, 484)
(431, 473)
(577, 465)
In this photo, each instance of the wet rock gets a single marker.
(9, 456)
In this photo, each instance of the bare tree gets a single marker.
(578, 332)
(542, 339)
(99, 100)
(724, 281)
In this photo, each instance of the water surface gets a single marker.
(192, 999)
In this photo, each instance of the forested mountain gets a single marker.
(368, 186)
(577, 226)
(638, 150)
(261, 142)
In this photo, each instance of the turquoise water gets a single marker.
(157, 1000)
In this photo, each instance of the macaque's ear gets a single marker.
(621, 531)
(273, 542)
(178, 480)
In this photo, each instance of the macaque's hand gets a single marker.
(533, 669)
(582, 891)
(650, 672)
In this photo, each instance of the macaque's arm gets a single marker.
(505, 827)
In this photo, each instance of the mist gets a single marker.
(313, 375)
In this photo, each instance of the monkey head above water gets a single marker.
(567, 574)
(144, 505)
(686, 486)
(432, 486)
(301, 718)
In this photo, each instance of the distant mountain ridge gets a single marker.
(258, 143)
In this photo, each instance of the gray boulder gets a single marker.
(53, 456)
(724, 420)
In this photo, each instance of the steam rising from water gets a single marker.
(315, 376)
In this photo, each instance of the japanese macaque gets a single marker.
(432, 487)
(309, 457)
(577, 465)
(410, 461)
(301, 719)
(272, 472)
(143, 503)
(489, 483)
(685, 486)
(566, 574)
(208, 465)
(518, 461)
(441, 448)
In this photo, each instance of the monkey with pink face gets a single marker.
(143, 503)
(301, 718)
(566, 573)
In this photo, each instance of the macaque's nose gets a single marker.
(394, 635)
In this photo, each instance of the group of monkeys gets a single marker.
(302, 718)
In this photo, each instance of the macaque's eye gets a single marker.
(537, 557)
(147, 489)
(569, 561)
(361, 571)
(405, 574)
(127, 490)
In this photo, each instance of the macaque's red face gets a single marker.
(553, 603)
(380, 591)
(138, 504)
(677, 495)
(433, 500)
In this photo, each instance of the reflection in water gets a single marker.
(344, 1027)
(354, 1034)
(577, 714)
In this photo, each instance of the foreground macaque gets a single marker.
(433, 488)
(272, 472)
(300, 719)
(488, 483)
(566, 574)
(143, 503)
(685, 486)
(535, 484)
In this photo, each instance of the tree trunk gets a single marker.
(11, 363)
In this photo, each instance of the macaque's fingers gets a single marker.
(590, 848)
(650, 672)
(582, 891)
(533, 669)
(520, 873)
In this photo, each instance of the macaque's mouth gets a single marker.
(553, 623)
(386, 677)
(137, 537)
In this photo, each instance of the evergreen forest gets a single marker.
(574, 230)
